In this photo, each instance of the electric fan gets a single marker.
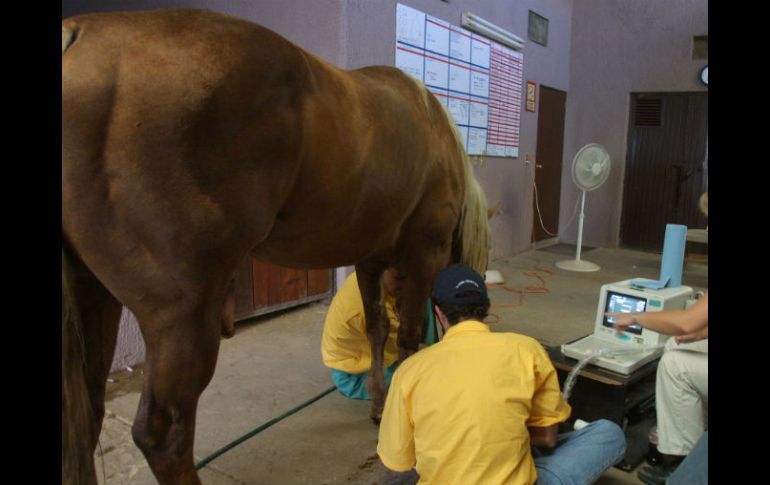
(590, 169)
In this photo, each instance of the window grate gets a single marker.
(537, 29)
(648, 112)
(700, 47)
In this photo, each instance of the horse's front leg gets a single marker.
(369, 277)
(421, 264)
(182, 348)
(413, 302)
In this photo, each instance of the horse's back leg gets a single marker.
(369, 274)
(88, 346)
(182, 342)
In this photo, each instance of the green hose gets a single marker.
(263, 427)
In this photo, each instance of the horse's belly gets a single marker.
(326, 247)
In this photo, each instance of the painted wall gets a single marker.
(618, 48)
(130, 348)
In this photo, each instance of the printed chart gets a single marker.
(478, 80)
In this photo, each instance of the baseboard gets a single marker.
(545, 243)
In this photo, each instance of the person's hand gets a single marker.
(622, 320)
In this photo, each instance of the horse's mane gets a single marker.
(474, 226)
(472, 234)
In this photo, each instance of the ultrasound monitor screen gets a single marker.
(618, 302)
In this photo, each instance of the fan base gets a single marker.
(577, 265)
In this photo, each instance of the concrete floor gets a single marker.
(273, 364)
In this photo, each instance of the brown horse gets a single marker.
(191, 140)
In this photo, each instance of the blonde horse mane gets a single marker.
(474, 234)
(473, 231)
(474, 225)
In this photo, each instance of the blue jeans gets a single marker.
(580, 457)
(694, 470)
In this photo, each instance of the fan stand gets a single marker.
(576, 264)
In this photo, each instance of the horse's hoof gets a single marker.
(375, 412)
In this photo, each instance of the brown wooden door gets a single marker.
(664, 176)
(261, 288)
(548, 160)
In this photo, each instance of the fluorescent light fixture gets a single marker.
(480, 26)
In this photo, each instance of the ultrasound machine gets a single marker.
(627, 351)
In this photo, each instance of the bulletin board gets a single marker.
(477, 79)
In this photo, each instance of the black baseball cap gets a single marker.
(459, 284)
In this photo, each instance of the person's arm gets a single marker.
(548, 408)
(692, 337)
(688, 322)
(543, 437)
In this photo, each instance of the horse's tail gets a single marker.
(77, 417)
(473, 230)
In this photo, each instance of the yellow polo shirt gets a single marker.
(344, 343)
(459, 410)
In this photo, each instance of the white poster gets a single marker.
(460, 45)
(478, 80)
(437, 71)
(436, 35)
(478, 113)
(505, 88)
(480, 51)
(410, 26)
(410, 62)
(459, 78)
(460, 109)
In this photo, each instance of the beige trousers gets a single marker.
(681, 396)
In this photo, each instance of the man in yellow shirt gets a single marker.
(470, 409)
(345, 346)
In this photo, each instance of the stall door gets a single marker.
(664, 173)
(548, 161)
(262, 288)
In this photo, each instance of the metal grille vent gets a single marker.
(537, 29)
(648, 112)
(700, 47)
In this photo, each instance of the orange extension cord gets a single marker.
(538, 273)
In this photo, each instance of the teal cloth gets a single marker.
(429, 333)
(353, 386)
